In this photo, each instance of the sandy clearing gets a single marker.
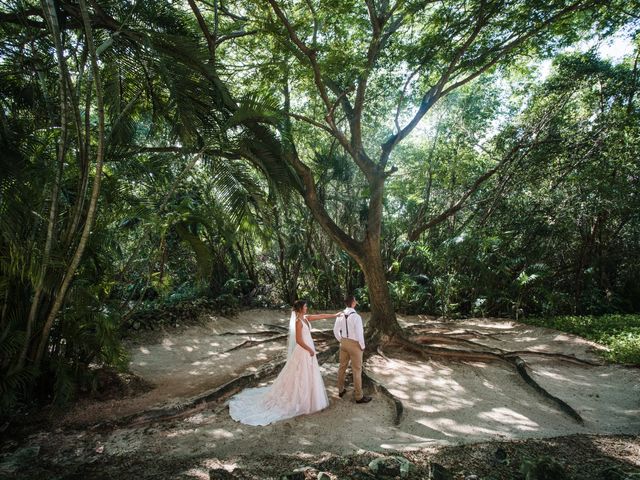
(445, 402)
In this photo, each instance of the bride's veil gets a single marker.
(291, 342)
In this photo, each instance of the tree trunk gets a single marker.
(49, 11)
(383, 320)
(93, 203)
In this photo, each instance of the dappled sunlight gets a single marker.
(563, 337)
(465, 401)
(196, 419)
(460, 430)
(219, 433)
(527, 339)
(444, 402)
(227, 465)
(198, 473)
(181, 432)
(557, 376)
(505, 415)
(488, 385)
(445, 426)
(401, 394)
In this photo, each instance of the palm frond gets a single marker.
(257, 107)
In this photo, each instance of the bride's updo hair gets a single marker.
(298, 304)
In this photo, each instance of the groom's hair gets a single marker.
(348, 300)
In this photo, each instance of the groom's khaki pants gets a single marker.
(350, 352)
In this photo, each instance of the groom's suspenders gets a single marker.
(346, 324)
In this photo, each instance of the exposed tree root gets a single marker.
(428, 351)
(325, 334)
(557, 356)
(521, 367)
(277, 327)
(484, 356)
(447, 331)
(431, 339)
(446, 339)
(253, 334)
(399, 406)
(251, 343)
(381, 353)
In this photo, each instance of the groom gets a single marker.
(349, 332)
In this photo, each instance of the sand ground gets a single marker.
(446, 403)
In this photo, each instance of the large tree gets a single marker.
(357, 78)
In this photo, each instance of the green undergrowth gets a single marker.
(619, 333)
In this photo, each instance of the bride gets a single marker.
(298, 389)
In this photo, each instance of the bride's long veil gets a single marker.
(291, 342)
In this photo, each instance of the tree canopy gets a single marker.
(254, 152)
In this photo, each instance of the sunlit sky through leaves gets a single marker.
(614, 48)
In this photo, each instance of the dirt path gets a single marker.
(446, 403)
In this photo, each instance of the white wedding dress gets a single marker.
(297, 390)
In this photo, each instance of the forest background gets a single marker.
(448, 158)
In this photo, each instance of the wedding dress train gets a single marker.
(297, 390)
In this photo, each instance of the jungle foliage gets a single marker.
(158, 154)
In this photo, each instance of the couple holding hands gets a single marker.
(299, 389)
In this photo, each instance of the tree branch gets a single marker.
(232, 35)
(211, 39)
(310, 121)
(438, 90)
(509, 47)
(435, 92)
(510, 157)
(21, 17)
(322, 90)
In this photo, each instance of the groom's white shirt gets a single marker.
(355, 328)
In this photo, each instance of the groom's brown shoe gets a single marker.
(341, 394)
(364, 399)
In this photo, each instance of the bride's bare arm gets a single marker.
(299, 340)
